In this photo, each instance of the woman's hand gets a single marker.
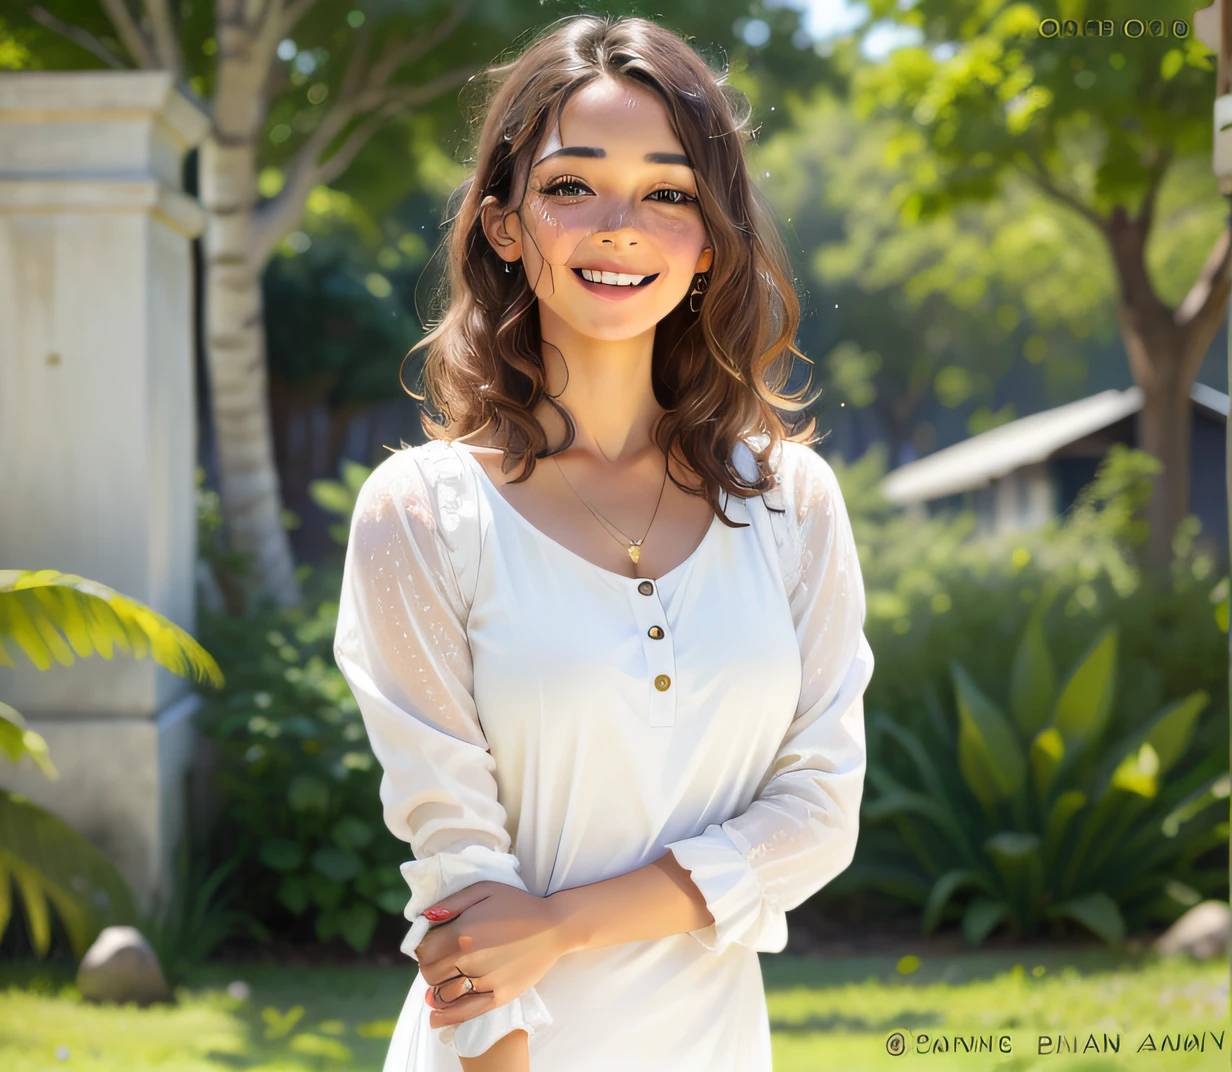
(506, 943)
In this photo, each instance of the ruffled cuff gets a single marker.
(478, 1034)
(742, 913)
(432, 880)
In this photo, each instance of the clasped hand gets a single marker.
(504, 938)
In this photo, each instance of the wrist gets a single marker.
(567, 911)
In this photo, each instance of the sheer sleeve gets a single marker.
(401, 645)
(800, 831)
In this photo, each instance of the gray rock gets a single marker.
(1202, 932)
(120, 966)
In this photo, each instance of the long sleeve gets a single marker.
(401, 645)
(800, 831)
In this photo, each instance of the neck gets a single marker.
(605, 384)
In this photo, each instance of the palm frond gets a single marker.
(53, 866)
(17, 741)
(51, 615)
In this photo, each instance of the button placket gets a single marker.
(659, 651)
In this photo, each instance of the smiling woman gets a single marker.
(619, 757)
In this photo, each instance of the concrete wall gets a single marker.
(97, 430)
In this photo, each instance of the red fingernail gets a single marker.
(437, 914)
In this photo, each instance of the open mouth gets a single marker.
(614, 279)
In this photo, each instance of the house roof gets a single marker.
(976, 462)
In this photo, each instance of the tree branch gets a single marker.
(1038, 174)
(409, 96)
(1202, 310)
(365, 91)
(403, 52)
(294, 12)
(339, 161)
(1146, 211)
(166, 37)
(78, 36)
(130, 34)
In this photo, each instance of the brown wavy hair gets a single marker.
(717, 373)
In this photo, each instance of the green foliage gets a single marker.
(54, 867)
(16, 741)
(199, 916)
(339, 497)
(1043, 745)
(299, 785)
(51, 615)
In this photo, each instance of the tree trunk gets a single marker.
(235, 330)
(1165, 348)
(1164, 430)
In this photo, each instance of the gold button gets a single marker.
(655, 633)
(663, 683)
(646, 588)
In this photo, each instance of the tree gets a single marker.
(304, 86)
(951, 310)
(1098, 124)
(978, 311)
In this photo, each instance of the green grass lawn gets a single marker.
(828, 1013)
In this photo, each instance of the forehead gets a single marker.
(620, 117)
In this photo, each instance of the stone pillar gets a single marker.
(97, 432)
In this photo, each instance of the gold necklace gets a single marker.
(635, 546)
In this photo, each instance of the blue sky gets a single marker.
(831, 18)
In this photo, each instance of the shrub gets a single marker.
(299, 787)
(954, 618)
(1041, 810)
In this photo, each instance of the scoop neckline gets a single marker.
(518, 517)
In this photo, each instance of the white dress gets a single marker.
(532, 731)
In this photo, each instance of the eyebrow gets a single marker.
(593, 152)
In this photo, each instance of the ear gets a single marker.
(704, 261)
(503, 229)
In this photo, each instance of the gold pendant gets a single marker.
(635, 551)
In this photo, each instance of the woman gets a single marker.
(605, 627)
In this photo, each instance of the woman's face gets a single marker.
(610, 196)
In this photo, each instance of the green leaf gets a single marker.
(1172, 731)
(392, 901)
(353, 476)
(282, 855)
(357, 923)
(53, 866)
(1138, 772)
(1032, 681)
(332, 496)
(293, 894)
(943, 889)
(1063, 809)
(337, 865)
(351, 832)
(1016, 856)
(1095, 911)
(17, 741)
(981, 918)
(989, 754)
(1086, 700)
(1046, 752)
(326, 894)
(306, 793)
(51, 615)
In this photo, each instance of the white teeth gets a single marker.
(618, 279)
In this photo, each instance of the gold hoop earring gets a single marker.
(700, 285)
